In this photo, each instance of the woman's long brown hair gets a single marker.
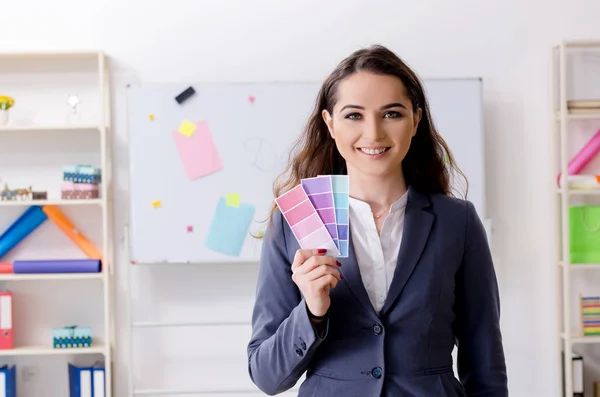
(428, 165)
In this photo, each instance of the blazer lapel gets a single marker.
(417, 225)
(351, 274)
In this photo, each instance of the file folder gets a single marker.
(8, 381)
(86, 381)
(6, 321)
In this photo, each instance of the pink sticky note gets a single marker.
(198, 153)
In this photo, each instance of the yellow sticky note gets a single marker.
(152, 116)
(187, 128)
(156, 203)
(233, 200)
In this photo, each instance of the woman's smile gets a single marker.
(373, 152)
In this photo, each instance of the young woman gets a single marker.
(419, 277)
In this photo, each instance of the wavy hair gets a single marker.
(428, 165)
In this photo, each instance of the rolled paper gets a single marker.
(72, 232)
(21, 228)
(6, 268)
(58, 266)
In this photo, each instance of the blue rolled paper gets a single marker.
(21, 228)
(58, 266)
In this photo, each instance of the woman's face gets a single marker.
(372, 123)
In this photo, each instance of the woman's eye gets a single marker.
(392, 115)
(353, 116)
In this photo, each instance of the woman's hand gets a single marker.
(315, 274)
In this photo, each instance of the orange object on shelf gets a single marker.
(72, 232)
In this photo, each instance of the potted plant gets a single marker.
(6, 103)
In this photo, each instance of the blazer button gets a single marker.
(303, 345)
(299, 352)
(377, 329)
(376, 372)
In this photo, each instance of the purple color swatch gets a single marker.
(320, 193)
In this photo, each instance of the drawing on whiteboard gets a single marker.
(263, 156)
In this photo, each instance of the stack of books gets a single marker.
(590, 315)
(584, 106)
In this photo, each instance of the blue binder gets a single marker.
(86, 381)
(8, 381)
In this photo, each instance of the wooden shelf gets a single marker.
(27, 203)
(577, 338)
(582, 266)
(579, 116)
(51, 128)
(49, 351)
(581, 192)
(51, 276)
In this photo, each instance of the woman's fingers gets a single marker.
(323, 270)
(314, 262)
(303, 255)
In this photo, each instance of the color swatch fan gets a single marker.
(307, 226)
(317, 212)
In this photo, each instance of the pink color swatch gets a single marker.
(198, 153)
(307, 226)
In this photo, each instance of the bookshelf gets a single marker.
(42, 136)
(565, 121)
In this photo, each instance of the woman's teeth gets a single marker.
(373, 151)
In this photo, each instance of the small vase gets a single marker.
(3, 117)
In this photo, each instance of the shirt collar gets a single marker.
(362, 207)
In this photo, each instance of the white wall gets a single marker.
(505, 42)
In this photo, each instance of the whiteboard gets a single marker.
(242, 136)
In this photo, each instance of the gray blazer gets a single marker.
(444, 292)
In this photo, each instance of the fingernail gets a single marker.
(338, 263)
(321, 250)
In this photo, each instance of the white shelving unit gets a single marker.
(42, 136)
(568, 335)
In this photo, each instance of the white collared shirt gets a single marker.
(377, 255)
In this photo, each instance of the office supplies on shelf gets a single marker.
(56, 216)
(584, 232)
(82, 174)
(583, 106)
(87, 381)
(58, 266)
(584, 181)
(71, 337)
(8, 381)
(583, 157)
(21, 228)
(6, 321)
(590, 315)
(6, 268)
(79, 191)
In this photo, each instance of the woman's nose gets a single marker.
(372, 129)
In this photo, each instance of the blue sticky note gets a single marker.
(229, 228)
